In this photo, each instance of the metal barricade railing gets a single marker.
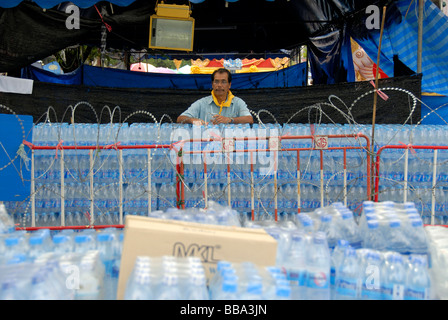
(404, 180)
(320, 144)
(60, 150)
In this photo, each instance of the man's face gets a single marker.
(221, 85)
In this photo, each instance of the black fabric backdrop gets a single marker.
(294, 105)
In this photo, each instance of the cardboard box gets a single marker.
(156, 237)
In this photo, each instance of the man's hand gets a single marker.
(198, 122)
(217, 119)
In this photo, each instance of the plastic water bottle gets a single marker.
(318, 269)
(107, 256)
(349, 228)
(84, 242)
(337, 255)
(91, 278)
(63, 242)
(418, 282)
(369, 274)
(197, 289)
(326, 226)
(10, 290)
(40, 288)
(141, 286)
(346, 282)
(393, 277)
(169, 289)
(228, 289)
(373, 238)
(295, 265)
(395, 239)
(418, 242)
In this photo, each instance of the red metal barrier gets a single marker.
(60, 149)
(408, 148)
(273, 148)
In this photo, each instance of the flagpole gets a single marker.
(375, 96)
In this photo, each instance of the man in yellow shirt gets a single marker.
(220, 107)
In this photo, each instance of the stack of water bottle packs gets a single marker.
(170, 278)
(53, 265)
(326, 254)
(438, 245)
(106, 170)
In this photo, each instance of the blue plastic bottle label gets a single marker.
(393, 292)
(416, 294)
(370, 293)
(346, 286)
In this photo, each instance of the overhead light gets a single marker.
(171, 27)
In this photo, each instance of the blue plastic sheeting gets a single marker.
(400, 38)
(15, 175)
(47, 4)
(289, 77)
(294, 76)
(36, 74)
(434, 110)
(331, 58)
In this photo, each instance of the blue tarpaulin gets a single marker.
(400, 38)
(294, 76)
(15, 174)
(37, 74)
(434, 109)
(47, 4)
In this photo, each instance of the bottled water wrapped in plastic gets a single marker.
(418, 241)
(167, 278)
(438, 260)
(138, 286)
(197, 287)
(418, 282)
(295, 264)
(349, 230)
(91, 281)
(84, 242)
(337, 255)
(393, 277)
(169, 288)
(6, 221)
(64, 242)
(318, 269)
(346, 280)
(373, 238)
(370, 266)
(395, 238)
(105, 246)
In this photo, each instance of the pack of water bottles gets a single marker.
(248, 281)
(167, 278)
(366, 274)
(215, 214)
(391, 226)
(438, 259)
(42, 265)
(170, 278)
(303, 255)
